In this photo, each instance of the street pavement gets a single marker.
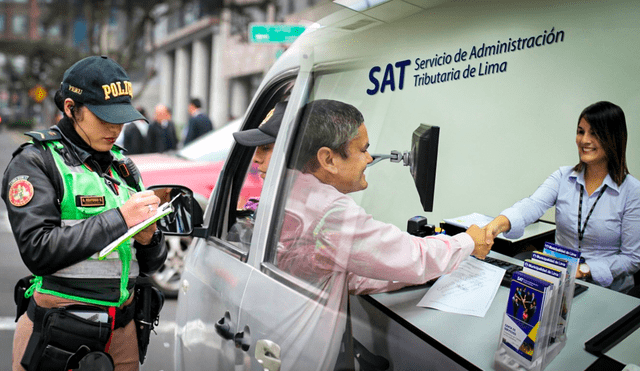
(160, 353)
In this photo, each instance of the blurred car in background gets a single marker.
(205, 155)
(196, 166)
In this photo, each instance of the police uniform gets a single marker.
(62, 200)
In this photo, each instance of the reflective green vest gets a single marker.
(87, 194)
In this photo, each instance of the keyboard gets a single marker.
(512, 268)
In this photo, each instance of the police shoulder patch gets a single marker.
(44, 135)
(20, 191)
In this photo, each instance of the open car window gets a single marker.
(237, 194)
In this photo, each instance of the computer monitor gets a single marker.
(422, 162)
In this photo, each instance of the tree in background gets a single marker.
(117, 28)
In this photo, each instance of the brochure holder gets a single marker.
(533, 348)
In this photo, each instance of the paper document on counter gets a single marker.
(466, 221)
(469, 289)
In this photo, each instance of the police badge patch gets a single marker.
(20, 191)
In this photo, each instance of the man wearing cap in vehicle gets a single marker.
(263, 138)
(69, 193)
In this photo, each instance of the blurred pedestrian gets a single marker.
(135, 135)
(199, 123)
(162, 132)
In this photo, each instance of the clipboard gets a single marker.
(163, 210)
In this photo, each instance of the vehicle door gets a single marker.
(216, 269)
(280, 314)
(289, 320)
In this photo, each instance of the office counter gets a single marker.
(472, 341)
(534, 237)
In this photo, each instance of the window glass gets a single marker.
(330, 220)
(242, 230)
(55, 30)
(191, 12)
(253, 163)
(2, 22)
(320, 217)
(19, 25)
(313, 217)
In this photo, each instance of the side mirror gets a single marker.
(187, 213)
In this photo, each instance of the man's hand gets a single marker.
(482, 247)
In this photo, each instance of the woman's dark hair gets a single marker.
(58, 99)
(610, 127)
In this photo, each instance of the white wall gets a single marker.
(501, 134)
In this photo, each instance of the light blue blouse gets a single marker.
(611, 242)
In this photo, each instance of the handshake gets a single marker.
(483, 237)
(480, 240)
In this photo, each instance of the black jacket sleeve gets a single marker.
(151, 257)
(45, 245)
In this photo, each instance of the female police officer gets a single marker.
(69, 193)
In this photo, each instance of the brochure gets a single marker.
(561, 265)
(572, 256)
(523, 328)
(555, 276)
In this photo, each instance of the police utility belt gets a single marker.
(63, 335)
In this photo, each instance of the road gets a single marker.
(160, 354)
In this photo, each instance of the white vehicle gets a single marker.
(196, 166)
(503, 80)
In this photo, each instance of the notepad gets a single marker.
(164, 209)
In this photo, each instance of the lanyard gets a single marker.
(581, 232)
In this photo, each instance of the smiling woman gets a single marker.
(598, 195)
(589, 147)
(602, 143)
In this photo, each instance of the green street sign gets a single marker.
(274, 33)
